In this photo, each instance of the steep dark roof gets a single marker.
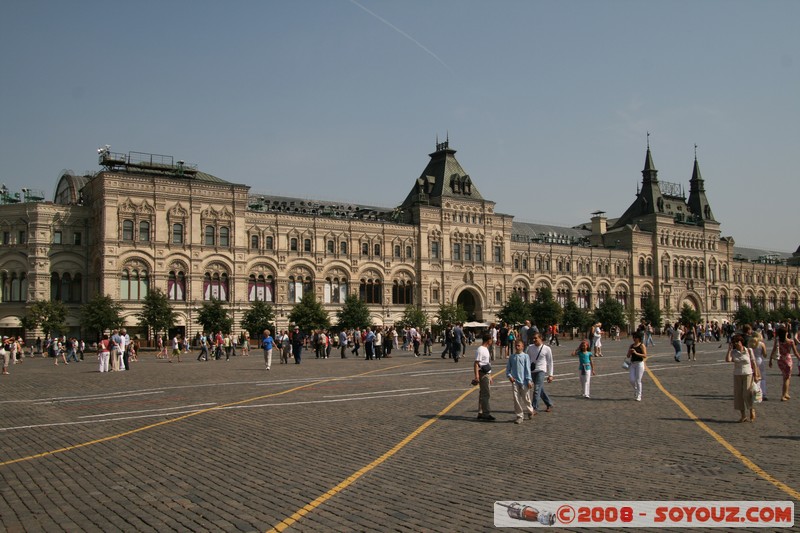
(443, 177)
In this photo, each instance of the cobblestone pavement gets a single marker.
(228, 446)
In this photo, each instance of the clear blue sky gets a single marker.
(547, 102)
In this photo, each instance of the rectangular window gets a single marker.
(343, 247)
(6, 237)
(467, 252)
(177, 234)
(435, 295)
(331, 246)
(268, 243)
(456, 252)
(76, 238)
(498, 254)
(254, 242)
(434, 249)
(479, 252)
(21, 237)
(56, 237)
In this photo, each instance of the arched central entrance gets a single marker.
(471, 304)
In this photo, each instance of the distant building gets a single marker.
(146, 222)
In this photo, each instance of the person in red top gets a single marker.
(104, 353)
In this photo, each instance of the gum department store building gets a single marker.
(145, 222)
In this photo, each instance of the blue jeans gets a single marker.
(538, 390)
(71, 356)
(677, 346)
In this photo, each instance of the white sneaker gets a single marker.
(638, 398)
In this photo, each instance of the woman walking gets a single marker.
(585, 366)
(785, 346)
(597, 342)
(744, 372)
(688, 340)
(760, 353)
(637, 354)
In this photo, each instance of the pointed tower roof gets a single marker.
(698, 203)
(442, 178)
(648, 200)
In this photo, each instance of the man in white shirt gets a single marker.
(483, 377)
(542, 370)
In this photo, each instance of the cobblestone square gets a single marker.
(354, 445)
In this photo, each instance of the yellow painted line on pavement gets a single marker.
(189, 415)
(728, 446)
(300, 513)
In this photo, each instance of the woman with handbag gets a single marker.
(745, 376)
(760, 353)
(637, 353)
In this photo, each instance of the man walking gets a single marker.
(542, 370)
(518, 370)
(483, 377)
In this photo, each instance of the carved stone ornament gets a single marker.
(136, 264)
(178, 266)
(177, 212)
(216, 268)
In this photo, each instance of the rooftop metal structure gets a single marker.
(142, 161)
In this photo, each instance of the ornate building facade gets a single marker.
(145, 222)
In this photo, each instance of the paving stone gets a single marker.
(249, 467)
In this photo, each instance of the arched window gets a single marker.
(377, 249)
(584, 298)
(649, 267)
(645, 297)
(330, 246)
(254, 242)
(144, 231)
(133, 284)
(76, 290)
(176, 286)
(364, 248)
(224, 236)
(298, 286)
(409, 252)
(397, 251)
(641, 266)
(124, 285)
(293, 244)
(260, 288)
(370, 291)
(127, 230)
(210, 236)
(55, 287)
(402, 292)
(335, 290)
(66, 288)
(268, 242)
(343, 247)
(215, 286)
(306, 245)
